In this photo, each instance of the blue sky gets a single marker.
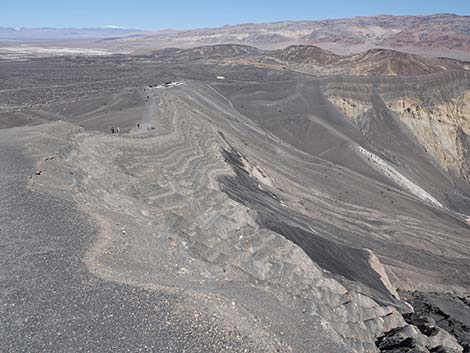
(182, 14)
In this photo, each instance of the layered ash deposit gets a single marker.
(260, 207)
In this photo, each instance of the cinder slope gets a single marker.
(394, 63)
(304, 54)
(288, 207)
(184, 232)
(208, 52)
(376, 62)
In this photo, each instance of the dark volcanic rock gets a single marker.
(402, 339)
(207, 52)
(448, 312)
(304, 54)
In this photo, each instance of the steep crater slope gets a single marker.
(298, 177)
(260, 201)
(389, 157)
(167, 223)
(431, 110)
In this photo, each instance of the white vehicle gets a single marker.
(170, 84)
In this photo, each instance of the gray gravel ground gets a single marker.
(280, 122)
(48, 301)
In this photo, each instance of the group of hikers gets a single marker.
(116, 130)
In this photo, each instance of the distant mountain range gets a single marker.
(313, 60)
(437, 35)
(48, 34)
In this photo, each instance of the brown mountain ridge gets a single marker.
(314, 60)
(438, 35)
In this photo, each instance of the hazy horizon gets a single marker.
(182, 15)
(117, 27)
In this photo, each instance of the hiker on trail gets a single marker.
(118, 130)
(112, 129)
